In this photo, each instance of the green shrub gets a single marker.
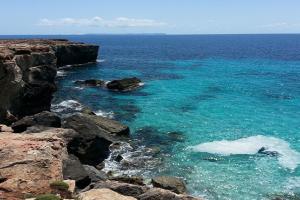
(47, 197)
(59, 185)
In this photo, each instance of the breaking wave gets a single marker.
(287, 157)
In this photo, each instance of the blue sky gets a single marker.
(149, 16)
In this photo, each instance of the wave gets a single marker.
(61, 73)
(100, 60)
(101, 113)
(68, 105)
(287, 157)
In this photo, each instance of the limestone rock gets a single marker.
(102, 194)
(28, 69)
(169, 183)
(30, 162)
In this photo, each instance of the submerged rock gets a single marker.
(47, 119)
(91, 82)
(169, 183)
(125, 84)
(103, 194)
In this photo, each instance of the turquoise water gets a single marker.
(225, 97)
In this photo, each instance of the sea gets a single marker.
(221, 111)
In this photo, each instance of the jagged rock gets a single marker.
(29, 162)
(169, 183)
(122, 188)
(95, 136)
(125, 84)
(47, 119)
(91, 82)
(161, 194)
(28, 69)
(102, 194)
(74, 170)
(95, 174)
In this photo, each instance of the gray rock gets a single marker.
(169, 183)
(74, 170)
(161, 194)
(95, 174)
(47, 119)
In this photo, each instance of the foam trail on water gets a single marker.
(67, 105)
(109, 115)
(287, 157)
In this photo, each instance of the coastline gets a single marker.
(28, 69)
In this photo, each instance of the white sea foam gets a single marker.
(67, 105)
(287, 157)
(109, 115)
(100, 60)
(61, 73)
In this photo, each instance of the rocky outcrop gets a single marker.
(96, 134)
(126, 84)
(103, 194)
(30, 162)
(46, 119)
(170, 183)
(28, 69)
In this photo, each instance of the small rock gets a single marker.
(102, 194)
(71, 184)
(119, 158)
(169, 183)
(126, 84)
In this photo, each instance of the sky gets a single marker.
(23, 17)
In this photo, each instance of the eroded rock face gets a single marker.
(28, 69)
(30, 162)
(103, 194)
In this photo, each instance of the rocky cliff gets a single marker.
(28, 69)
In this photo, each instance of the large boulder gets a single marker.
(46, 118)
(30, 162)
(102, 194)
(74, 170)
(169, 183)
(126, 84)
(122, 188)
(96, 134)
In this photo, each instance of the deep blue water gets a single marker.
(225, 96)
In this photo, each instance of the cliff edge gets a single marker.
(28, 70)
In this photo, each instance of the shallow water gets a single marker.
(225, 97)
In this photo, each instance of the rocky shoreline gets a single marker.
(45, 156)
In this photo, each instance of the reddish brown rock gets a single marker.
(30, 162)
